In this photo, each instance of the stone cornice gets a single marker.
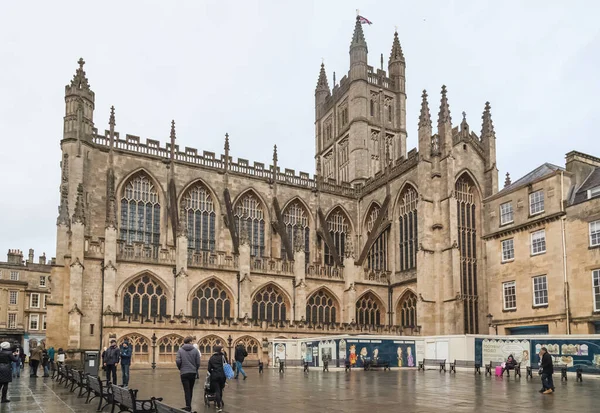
(524, 227)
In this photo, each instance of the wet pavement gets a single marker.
(335, 391)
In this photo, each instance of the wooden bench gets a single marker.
(79, 382)
(433, 362)
(466, 364)
(98, 389)
(163, 408)
(530, 369)
(61, 374)
(490, 366)
(69, 381)
(126, 400)
(378, 364)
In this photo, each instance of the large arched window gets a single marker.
(211, 300)
(467, 245)
(269, 304)
(321, 308)
(252, 347)
(377, 256)
(338, 226)
(295, 219)
(140, 211)
(139, 347)
(407, 310)
(369, 310)
(249, 213)
(207, 344)
(168, 347)
(407, 229)
(200, 213)
(146, 297)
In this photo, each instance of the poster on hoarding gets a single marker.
(499, 350)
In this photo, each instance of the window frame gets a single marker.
(593, 192)
(43, 325)
(512, 258)
(596, 286)
(596, 232)
(44, 283)
(35, 317)
(505, 285)
(532, 194)
(532, 242)
(16, 292)
(31, 300)
(14, 275)
(512, 214)
(533, 285)
(8, 322)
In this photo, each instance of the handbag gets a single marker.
(227, 369)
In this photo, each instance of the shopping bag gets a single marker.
(227, 369)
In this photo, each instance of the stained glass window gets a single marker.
(321, 308)
(211, 300)
(295, 219)
(269, 304)
(200, 214)
(144, 296)
(249, 213)
(140, 211)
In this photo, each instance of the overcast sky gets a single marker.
(250, 68)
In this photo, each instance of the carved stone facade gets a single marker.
(166, 242)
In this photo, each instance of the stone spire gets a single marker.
(79, 214)
(111, 136)
(226, 147)
(487, 126)
(507, 181)
(80, 81)
(358, 38)
(397, 55)
(444, 115)
(275, 158)
(173, 140)
(63, 208)
(425, 116)
(322, 84)
(464, 126)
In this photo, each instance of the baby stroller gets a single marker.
(209, 395)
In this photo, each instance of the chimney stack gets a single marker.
(43, 259)
(30, 259)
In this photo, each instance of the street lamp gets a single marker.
(491, 323)
(229, 342)
(153, 351)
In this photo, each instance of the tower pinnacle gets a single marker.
(322, 84)
(396, 55)
(487, 126)
(444, 115)
(358, 38)
(507, 181)
(173, 139)
(425, 116)
(80, 81)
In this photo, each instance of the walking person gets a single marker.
(240, 355)
(7, 358)
(200, 355)
(22, 357)
(112, 357)
(125, 362)
(60, 357)
(46, 363)
(547, 369)
(16, 364)
(217, 376)
(35, 356)
(51, 354)
(188, 363)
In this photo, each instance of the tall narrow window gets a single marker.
(12, 297)
(369, 310)
(200, 213)
(407, 310)
(540, 291)
(321, 308)
(506, 213)
(145, 297)
(211, 300)
(34, 301)
(140, 211)
(295, 219)
(510, 295)
(338, 226)
(389, 111)
(596, 289)
(467, 244)
(377, 256)
(508, 250)
(269, 304)
(34, 321)
(249, 213)
(407, 229)
(12, 320)
(594, 233)
(536, 202)
(538, 242)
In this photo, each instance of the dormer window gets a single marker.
(594, 192)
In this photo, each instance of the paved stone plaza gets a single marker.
(336, 391)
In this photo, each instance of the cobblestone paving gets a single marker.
(336, 391)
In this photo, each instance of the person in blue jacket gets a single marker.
(125, 361)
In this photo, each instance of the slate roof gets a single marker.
(592, 181)
(538, 173)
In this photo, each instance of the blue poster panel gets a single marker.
(399, 353)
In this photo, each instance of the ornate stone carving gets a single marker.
(63, 209)
(244, 239)
(182, 226)
(349, 247)
(79, 214)
(298, 241)
(75, 309)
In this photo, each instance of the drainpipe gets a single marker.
(564, 247)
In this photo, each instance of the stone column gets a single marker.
(110, 269)
(244, 266)
(181, 265)
(351, 273)
(299, 276)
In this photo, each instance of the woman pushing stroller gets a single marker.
(217, 376)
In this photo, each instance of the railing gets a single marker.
(272, 266)
(140, 252)
(380, 277)
(212, 259)
(327, 272)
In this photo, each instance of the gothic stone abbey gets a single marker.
(157, 241)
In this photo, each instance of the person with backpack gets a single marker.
(240, 355)
(217, 376)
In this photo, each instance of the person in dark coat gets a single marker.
(35, 357)
(240, 355)
(217, 376)
(510, 364)
(547, 369)
(125, 361)
(7, 357)
(16, 364)
(112, 357)
(188, 363)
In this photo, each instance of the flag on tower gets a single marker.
(364, 20)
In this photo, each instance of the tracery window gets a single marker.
(408, 229)
(338, 227)
(168, 347)
(321, 308)
(200, 213)
(467, 245)
(407, 310)
(140, 211)
(295, 219)
(249, 213)
(269, 304)
(368, 310)
(252, 346)
(377, 256)
(139, 347)
(207, 344)
(146, 297)
(211, 300)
